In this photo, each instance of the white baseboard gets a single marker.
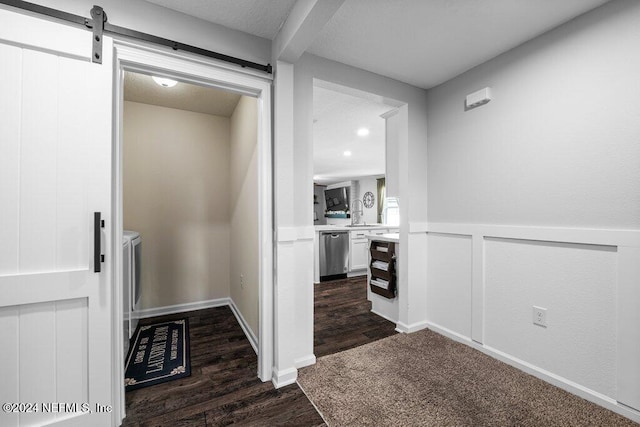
(244, 325)
(453, 335)
(551, 378)
(179, 308)
(201, 305)
(284, 378)
(305, 361)
(357, 273)
(414, 327)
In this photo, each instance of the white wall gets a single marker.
(244, 211)
(393, 125)
(576, 284)
(449, 268)
(176, 195)
(297, 248)
(370, 215)
(553, 158)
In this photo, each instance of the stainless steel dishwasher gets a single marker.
(334, 255)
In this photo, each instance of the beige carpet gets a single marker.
(425, 379)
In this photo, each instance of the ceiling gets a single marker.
(423, 43)
(183, 96)
(258, 17)
(426, 43)
(337, 118)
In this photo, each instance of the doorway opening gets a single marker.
(192, 175)
(349, 181)
(189, 194)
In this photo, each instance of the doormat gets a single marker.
(159, 353)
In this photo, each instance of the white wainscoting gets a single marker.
(411, 301)
(293, 295)
(413, 306)
(483, 281)
(449, 272)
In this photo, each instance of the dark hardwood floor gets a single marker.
(223, 387)
(343, 317)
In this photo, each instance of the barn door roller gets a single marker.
(97, 26)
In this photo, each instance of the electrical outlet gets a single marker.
(540, 316)
(242, 281)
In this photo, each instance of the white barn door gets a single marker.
(55, 153)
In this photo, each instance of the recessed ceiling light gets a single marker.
(363, 132)
(347, 153)
(164, 82)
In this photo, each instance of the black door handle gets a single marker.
(98, 258)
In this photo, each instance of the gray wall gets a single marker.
(558, 144)
(554, 156)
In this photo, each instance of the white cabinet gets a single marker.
(379, 231)
(358, 246)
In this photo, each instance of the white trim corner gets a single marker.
(308, 360)
(414, 327)
(284, 378)
(244, 325)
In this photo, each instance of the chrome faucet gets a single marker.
(355, 211)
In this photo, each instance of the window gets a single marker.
(391, 211)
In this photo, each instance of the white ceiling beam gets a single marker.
(304, 23)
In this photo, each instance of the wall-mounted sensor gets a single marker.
(478, 98)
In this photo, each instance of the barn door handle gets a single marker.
(98, 258)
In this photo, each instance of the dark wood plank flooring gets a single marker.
(343, 317)
(223, 387)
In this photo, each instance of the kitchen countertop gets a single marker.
(389, 237)
(347, 228)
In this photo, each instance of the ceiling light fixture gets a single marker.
(164, 82)
(347, 153)
(363, 132)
